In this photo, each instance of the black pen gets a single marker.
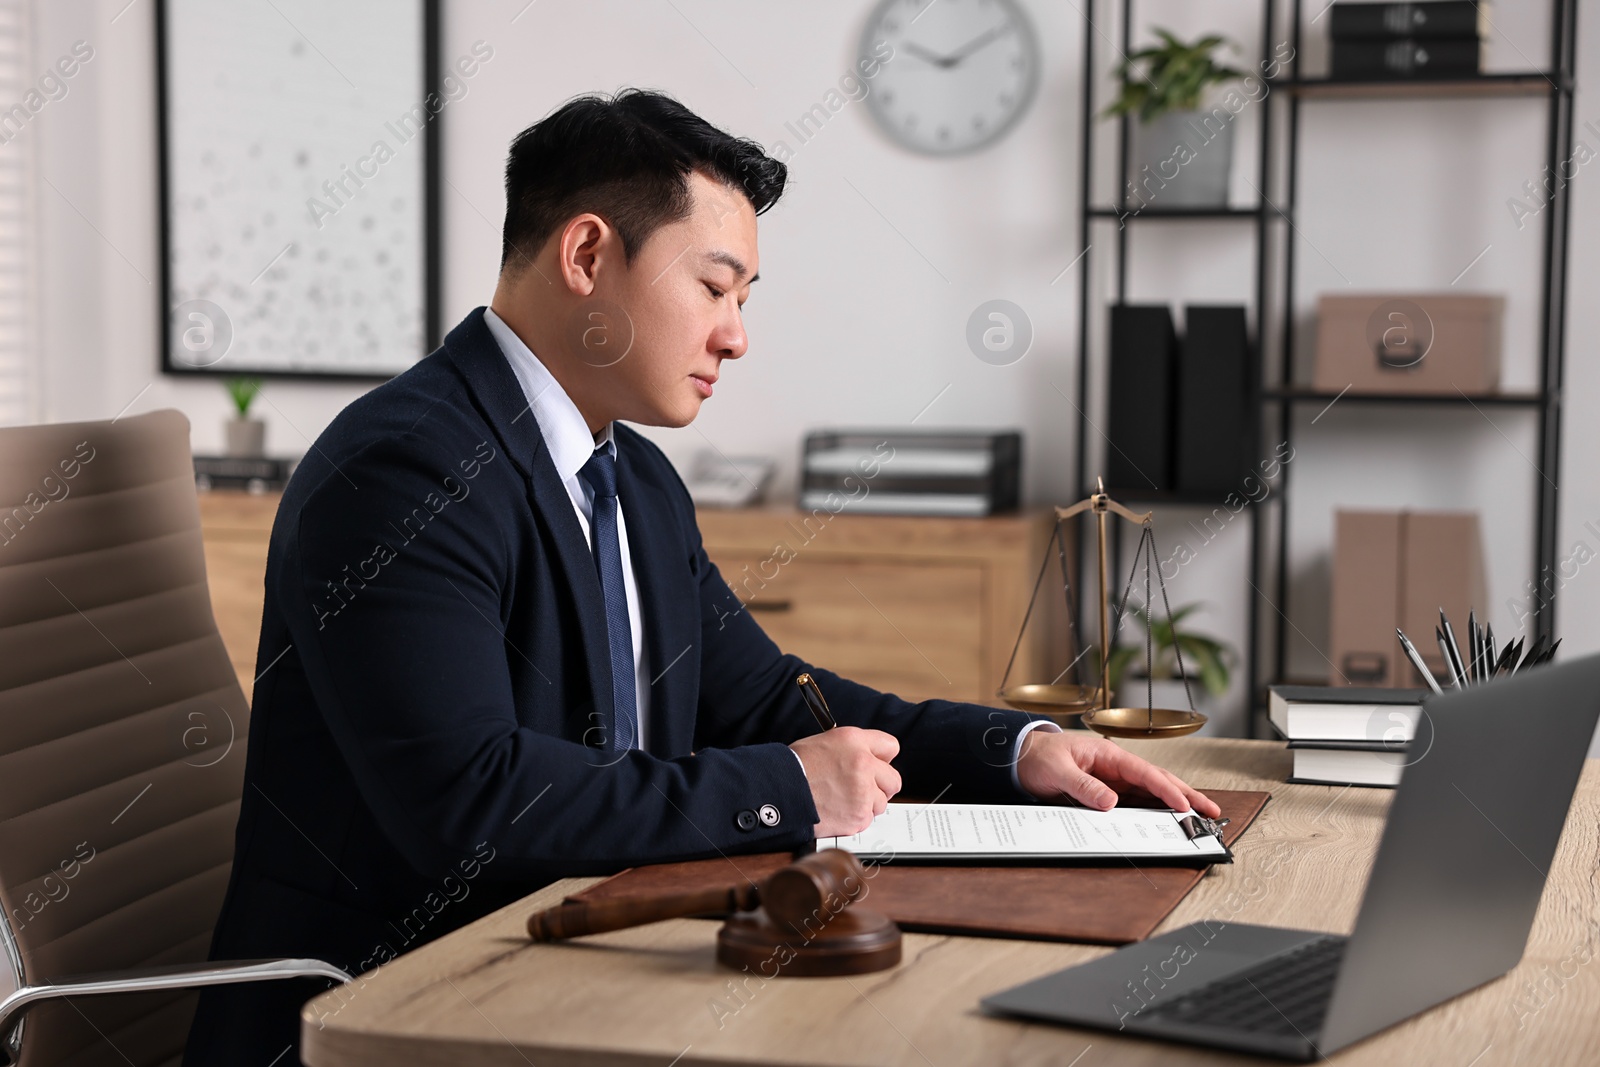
(1449, 660)
(1474, 648)
(1516, 655)
(812, 695)
(1508, 659)
(1533, 655)
(1453, 651)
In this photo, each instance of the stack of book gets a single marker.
(1440, 39)
(1347, 735)
(954, 473)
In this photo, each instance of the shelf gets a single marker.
(1285, 403)
(1173, 497)
(1175, 213)
(1307, 396)
(1526, 83)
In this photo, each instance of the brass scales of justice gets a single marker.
(1065, 700)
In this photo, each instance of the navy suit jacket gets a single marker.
(428, 734)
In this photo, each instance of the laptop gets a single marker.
(1452, 895)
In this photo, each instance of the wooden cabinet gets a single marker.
(235, 527)
(919, 607)
(904, 627)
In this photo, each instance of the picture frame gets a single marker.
(299, 194)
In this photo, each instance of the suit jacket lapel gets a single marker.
(668, 609)
(490, 379)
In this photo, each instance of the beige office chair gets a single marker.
(122, 738)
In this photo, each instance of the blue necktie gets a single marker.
(601, 475)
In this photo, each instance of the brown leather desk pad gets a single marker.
(1097, 905)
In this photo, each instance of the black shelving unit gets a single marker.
(1094, 212)
(1277, 395)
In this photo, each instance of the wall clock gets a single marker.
(961, 74)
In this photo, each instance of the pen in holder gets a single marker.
(1481, 662)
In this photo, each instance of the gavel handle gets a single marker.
(575, 918)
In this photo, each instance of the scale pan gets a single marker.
(1148, 723)
(1054, 699)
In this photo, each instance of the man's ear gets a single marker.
(587, 242)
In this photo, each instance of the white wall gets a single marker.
(850, 324)
(99, 329)
(859, 317)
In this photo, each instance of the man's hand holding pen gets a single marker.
(851, 779)
(848, 768)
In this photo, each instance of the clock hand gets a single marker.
(976, 43)
(925, 55)
(951, 60)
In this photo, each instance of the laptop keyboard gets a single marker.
(1287, 994)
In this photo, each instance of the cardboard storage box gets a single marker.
(1409, 343)
(1398, 568)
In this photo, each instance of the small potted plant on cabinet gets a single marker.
(246, 437)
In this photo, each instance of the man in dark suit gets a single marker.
(495, 653)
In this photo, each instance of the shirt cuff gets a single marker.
(1048, 726)
(807, 777)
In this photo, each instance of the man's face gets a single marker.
(682, 293)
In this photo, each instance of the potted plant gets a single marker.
(1181, 157)
(1205, 659)
(246, 437)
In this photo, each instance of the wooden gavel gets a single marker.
(800, 921)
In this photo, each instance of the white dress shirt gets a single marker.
(567, 437)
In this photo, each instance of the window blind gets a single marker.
(18, 371)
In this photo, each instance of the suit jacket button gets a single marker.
(769, 815)
(745, 820)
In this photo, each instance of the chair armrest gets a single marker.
(176, 976)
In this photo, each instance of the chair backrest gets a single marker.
(122, 728)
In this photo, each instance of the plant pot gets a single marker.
(247, 438)
(1190, 159)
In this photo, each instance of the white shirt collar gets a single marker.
(566, 433)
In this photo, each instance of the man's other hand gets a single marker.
(851, 780)
(1094, 771)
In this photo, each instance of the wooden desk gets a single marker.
(485, 995)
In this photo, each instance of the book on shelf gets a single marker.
(1214, 453)
(1141, 397)
(1404, 59)
(1344, 713)
(1373, 763)
(1438, 19)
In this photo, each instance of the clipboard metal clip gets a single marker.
(1199, 826)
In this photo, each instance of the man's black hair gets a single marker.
(627, 158)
